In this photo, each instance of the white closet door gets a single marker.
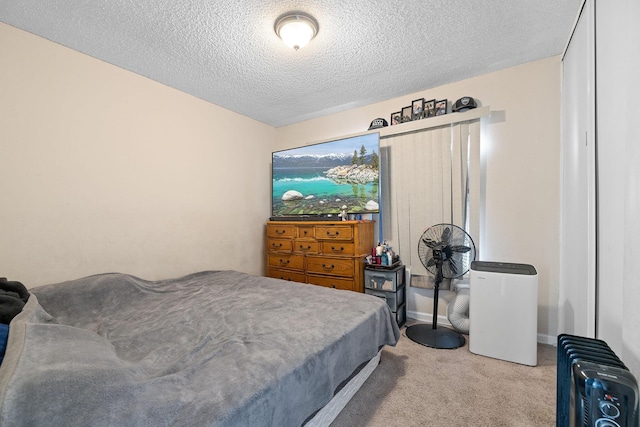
(577, 294)
(618, 35)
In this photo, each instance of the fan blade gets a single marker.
(453, 266)
(431, 262)
(430, 243)
(446, 235)
(460, 249)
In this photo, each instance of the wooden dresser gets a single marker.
(323, 253)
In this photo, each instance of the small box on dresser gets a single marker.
(388, 283)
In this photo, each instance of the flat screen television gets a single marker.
(319, 180)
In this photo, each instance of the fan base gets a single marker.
(436, 338)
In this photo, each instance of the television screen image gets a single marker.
(319, 179)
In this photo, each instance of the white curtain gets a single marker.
(430, 176)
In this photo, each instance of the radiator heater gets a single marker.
(594, 387)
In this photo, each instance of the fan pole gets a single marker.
(433, 336)
(436, 291)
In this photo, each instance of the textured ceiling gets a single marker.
(226, 52)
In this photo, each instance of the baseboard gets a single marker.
(427, 317)
(548, 339)
(442, 320)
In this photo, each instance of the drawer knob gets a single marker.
(337, 250)
(280, 231)
(273, 245)
(328, 267)
(283, 262)
(330, 234)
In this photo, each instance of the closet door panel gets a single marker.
(578, 239)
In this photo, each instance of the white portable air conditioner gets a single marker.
(503, 311)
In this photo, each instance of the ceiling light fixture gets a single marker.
(296, 29)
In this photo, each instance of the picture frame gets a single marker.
(429, 108)
(396, 118)
(417, 108)
(406, 114)
(441, 107)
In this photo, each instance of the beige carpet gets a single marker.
(416, 385)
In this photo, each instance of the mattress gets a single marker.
(219, 348)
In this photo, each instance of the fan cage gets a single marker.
(450, 244)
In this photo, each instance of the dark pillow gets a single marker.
(17, 287)
(13, 296)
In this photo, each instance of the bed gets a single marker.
(216, 348)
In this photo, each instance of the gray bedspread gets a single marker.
(218, 348)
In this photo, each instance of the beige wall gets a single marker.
(521, 170)
(103, 170)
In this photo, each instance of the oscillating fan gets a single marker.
(446, 251)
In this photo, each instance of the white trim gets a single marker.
(426, 317)
(547, 339)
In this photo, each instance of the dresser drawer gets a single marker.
(331, 282)
(337, 232)
(338, 248)
(292, 276)
(279, 245)
(306, 232)
(306, 246)
(287, 231)
(282, 260)
(329, 265)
